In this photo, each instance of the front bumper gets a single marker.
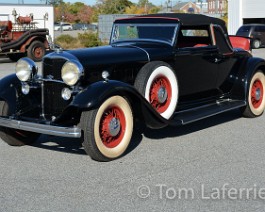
(72, 132)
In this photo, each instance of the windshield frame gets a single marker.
(175, 25)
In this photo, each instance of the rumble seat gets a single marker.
(240, 42)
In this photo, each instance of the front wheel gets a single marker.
(108, 129)
(256, 96)
(15, 137)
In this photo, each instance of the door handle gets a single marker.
(216, 60)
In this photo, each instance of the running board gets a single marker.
(196, 114)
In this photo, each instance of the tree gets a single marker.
(113, 6)
(73, 13)
(143, 7)
(143, 3)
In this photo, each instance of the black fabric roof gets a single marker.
(184, 18)
(189, 19)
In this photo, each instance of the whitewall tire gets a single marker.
(108, 129)
(158, 83)
(256, 96)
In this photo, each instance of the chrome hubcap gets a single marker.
(162, 95)
(258, 94)
(114, 127)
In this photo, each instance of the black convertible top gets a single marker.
(184, 18)
(189, 19)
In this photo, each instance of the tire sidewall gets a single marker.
(117, 151)
(165, 71)
(257, 111)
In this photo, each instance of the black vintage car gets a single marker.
(166, 69)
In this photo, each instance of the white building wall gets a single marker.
(243, 9)
(253, 8)
(235, 15)
(37, 10)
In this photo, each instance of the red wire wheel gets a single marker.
(108, 129)
(157, 82)
(160, 94)
(257, 93)
(112, 127)
(256, 96)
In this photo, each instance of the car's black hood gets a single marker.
(122, 53)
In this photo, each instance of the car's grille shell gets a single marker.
(53, 103)
(52, 67)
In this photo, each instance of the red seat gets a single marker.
(240, 42)
(200, 45)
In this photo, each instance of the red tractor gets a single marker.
(23, 39)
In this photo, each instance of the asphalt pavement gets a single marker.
(217, 164)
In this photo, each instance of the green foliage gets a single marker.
(65, 39)
(113, 6)
(89, 39)
(76, 7)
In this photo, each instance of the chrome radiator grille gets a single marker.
(53, 103)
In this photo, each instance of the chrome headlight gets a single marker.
(71, 72)
(25, 69)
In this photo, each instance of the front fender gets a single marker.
(8, 90)
(94, 95)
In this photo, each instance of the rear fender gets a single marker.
(94, 95)
(251, 66)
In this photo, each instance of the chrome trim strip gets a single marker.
(147, 54)
(72, 132)
(50, 80)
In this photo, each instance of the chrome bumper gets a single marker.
(72, 132)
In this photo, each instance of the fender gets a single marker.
(24, 47)
(8, 91)
(240, 89)
(95, 94)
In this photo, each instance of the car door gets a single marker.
(195, 62)
(226, 61)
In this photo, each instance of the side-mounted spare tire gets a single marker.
(157, 82)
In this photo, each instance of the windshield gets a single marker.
(163, 32)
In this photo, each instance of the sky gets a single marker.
(88, 2)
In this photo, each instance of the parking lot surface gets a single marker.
(217, 164)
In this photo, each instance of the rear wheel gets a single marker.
(36, 51)
(15, 137)
(108, 129)
(256, 44)
(256, 96)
